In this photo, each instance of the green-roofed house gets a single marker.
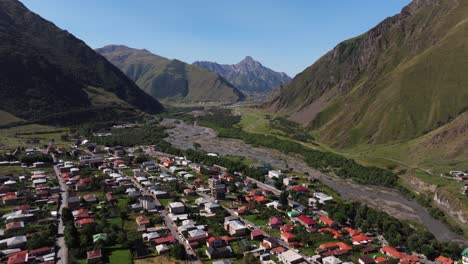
(99, 237)
(465, 256)
(293, 214)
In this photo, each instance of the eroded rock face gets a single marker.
(249, 75)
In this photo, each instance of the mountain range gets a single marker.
(249, 75)
(171, 81)
(399, 81)
(46, 71)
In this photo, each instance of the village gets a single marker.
(87, 203)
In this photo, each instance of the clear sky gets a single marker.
(285, 35)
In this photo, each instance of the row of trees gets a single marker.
(397, 233)
(224, 121)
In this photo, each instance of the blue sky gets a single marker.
(285, 35)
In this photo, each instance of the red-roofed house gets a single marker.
(332, 231)
(391, 252)
(275, 222)
(84, 221)
(286, 228)
(360, 239)
(81, 213)
(350, 231)
(260, 199)
(94, 256)
(142, 221)
(18, 257)
(299, 189)
(288, 237)
(164, 240)
(326, 221)
(257, 234)
(306, 221)
(380, 259)
(14, 226)
(10, 199)
(443, 260)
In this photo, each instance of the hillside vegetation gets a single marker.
(401, 80)
(171, 81)
(46, 70)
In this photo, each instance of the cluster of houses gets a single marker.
(30, 199)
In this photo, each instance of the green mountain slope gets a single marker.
(402, 79)
(171, 81)
(47, 71)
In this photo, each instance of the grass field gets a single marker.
(31, 135)
(120, 256)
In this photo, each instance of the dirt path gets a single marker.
(184, 136)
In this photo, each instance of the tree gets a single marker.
(249, 258)
(178, 252)
(283, 199)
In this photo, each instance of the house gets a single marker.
(275, 222)
(94, 256)
(142, 220)
(275, 174)
(350, 231)
(165, 240)
(84, 221)
(332, 231)
(286, 228)
(13, 226)
(293, 213)
(14, 242)
(81, 213)
(465, 256)
(288, 237)
(360, 239)
(306, 221)
(257, 234)
(218, 248)
(331, 260)
(366, 260)
(211, 207)
(73, 202)
(10, 199)
(150, 236)
(100, 237)
(90, 198)
(333, 249)
(290, 257)
(176, 208)
(147, 202)
(19, 257)
(391, 252)
(326, 221)
(323, 198)
(299, 189)
(223, 261)
(269, 242)
(288, 181)
(235, 228)
(274, 204)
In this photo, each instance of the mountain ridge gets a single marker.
(172, 81)
(47, 70)
(398, 81)
(249, 75)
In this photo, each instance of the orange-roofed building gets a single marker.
(142, 221)
(350, 231)
(380, 259)
(332, 231)
(392, 252)
(360, 239)
(326, 221)
(288, 237)
(260, 199)
(443, 260)
(286, 228)
(18, 257)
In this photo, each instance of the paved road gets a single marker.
(62, 253)
(167, 220)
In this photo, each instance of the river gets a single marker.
(183, 135)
